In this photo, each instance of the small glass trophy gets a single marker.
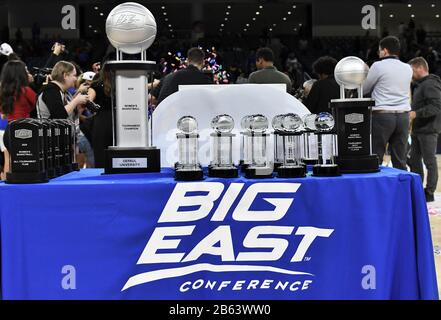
(326, 166)
(278, 140)
(188, 167)
(221, 165)
(245, 143)
(256, 144)
(309, 140)
(292, 166)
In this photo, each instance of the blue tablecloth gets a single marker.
(143, 236)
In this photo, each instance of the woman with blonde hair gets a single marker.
(55, 102)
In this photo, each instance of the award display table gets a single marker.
(85, 235)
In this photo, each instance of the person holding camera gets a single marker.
(54, 101)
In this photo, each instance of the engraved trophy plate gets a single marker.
(131, 112)
(26, 151)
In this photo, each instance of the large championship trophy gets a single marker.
(131, 29)
(353, 118)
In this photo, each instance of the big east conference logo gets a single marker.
(192, 205)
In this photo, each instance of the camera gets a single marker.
(40, 76)
(91, 106)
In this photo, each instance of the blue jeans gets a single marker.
(85, 147)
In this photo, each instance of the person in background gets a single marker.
(190, 75)
(58, 54)
(7, 51)
(54, 101)
(85, 155)
(17, 99)
(389, 82)
(267, 72)
(101, 126)
(426, 117)
(325, 89)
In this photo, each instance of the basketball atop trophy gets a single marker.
(131, 27)
(351, 72)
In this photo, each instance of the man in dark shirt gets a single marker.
(426, 126)
(190, 75)
(267, 72)
(325, 89)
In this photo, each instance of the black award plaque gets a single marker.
(26, 143)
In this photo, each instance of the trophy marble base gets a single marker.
(329, 170)
(132, 160)
(258, 172)
(222, 172)
(360, 164)
(26, 177)
(291, 172)
(189, 174)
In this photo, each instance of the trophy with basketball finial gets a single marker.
(131, 29)
(353, 119)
